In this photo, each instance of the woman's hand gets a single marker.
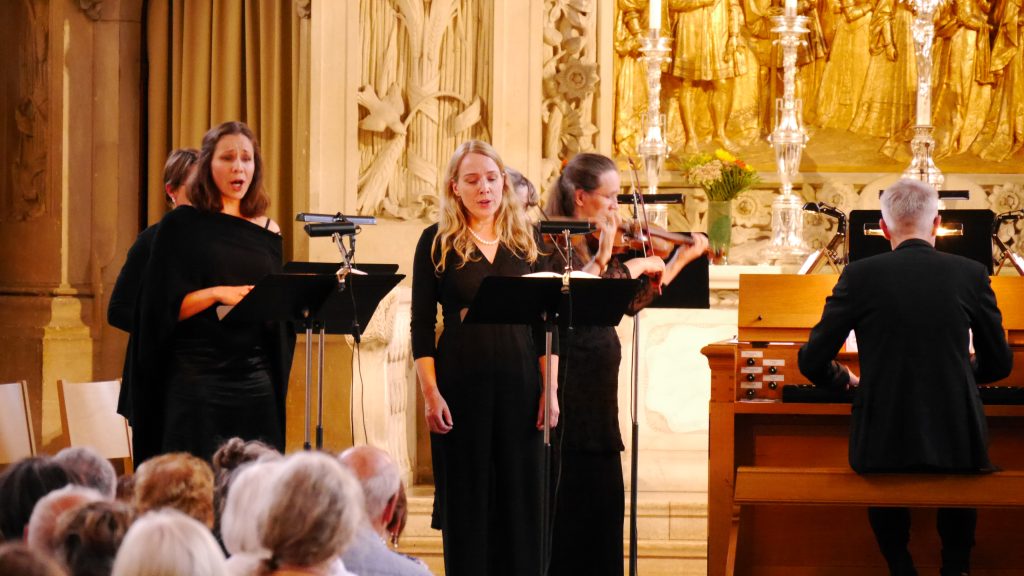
(439, 418)
(553, 413)
(196, 302)
(230, 295)
(652, 266)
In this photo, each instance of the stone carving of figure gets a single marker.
(631, 82)
(964, 75)
(889, 96)
(1003, 134)
(844, 74)
(706, 41)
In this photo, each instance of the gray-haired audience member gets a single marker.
(245, 505)
(169, 543)
(93, 470)
(87, 539)
(314, 510)
(42, 525)
(368, 555)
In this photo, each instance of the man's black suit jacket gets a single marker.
(917, 408)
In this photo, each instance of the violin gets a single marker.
(660, 242)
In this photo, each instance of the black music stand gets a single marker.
(559, 300)
(347, 310)
(286, 298)
(323, 303)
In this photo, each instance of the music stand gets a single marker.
(286, 298)
(557, 300)
(328, 268)
(347, 310)
(330, 306)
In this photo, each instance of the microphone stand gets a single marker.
(1005, 254)
(338, 227)
(634, 398)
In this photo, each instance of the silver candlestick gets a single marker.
(922, 167)
(788, 139)
(653, 148)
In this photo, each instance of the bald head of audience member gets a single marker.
(177, 480)
(379, 477)
(93, 470)
(910, 209)
(42, 525)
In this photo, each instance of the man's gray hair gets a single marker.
(909, 207)
(377, 473)
(94, 470)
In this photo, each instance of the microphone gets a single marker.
(316, 230)
(673, 198)
(339, 217)
(824, 208)
(574, 227)
(1011, 216)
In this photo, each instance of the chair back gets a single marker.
(16, 438)
(88, 412)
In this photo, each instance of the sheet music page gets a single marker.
(223, 310)
(573, 274)
(806, 266)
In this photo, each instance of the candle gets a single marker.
(790, 11)
(655, 15)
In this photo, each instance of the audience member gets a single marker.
(227, 460)
(177, 480)
(368, 555)
(18, 559)
(397, 524)
(314, 510)
(125, 491)
(169, 543)
(42, 525)
(244, 507)
(22, 485)
(88, 538)
(93, 470)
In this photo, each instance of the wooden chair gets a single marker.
(88, 412)
(16, 438)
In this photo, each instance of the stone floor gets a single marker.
(672, 528)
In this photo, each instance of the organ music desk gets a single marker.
(750, 426)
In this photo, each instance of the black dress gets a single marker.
(487, 469)
(589, 502)
(200, 381)
(121, 310)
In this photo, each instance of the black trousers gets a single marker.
(956, 529)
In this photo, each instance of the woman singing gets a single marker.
(482, 383)
(201, 380)
(589, 502)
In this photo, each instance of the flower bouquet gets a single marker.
(723, 177)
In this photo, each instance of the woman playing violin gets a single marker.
(590, 498)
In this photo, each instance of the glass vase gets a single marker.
(719, 221)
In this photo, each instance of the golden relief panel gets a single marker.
(857, 80)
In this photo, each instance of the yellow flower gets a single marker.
(724, 156)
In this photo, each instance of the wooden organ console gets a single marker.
(750, 426)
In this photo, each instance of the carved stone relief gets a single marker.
(569, 82)
(423, 91)
(25, 104)
(92, 8)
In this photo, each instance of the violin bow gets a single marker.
(638, 209)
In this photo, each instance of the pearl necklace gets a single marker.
(481, 240)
